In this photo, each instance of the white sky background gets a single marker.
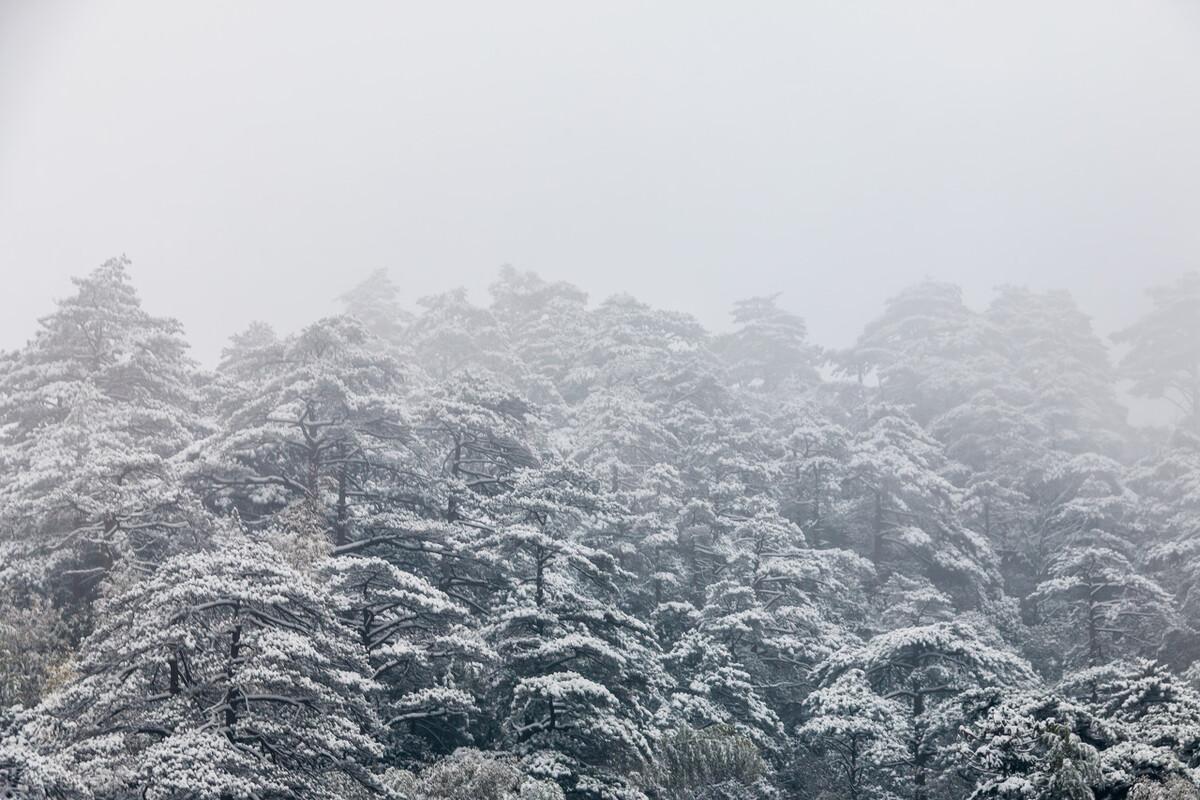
(255, 159)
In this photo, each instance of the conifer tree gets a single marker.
(94, 413)
(225, 674)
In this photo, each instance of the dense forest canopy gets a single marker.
(546, 548)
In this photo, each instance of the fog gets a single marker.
(909, 523)
(258, 159)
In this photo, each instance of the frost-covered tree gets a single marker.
(714, 763)
(315, 417)
(997, 438)
(1155, 717)
(1163, 359)
(927, 351)
(451, 335)
(814, 466)
(780, 607)
(375, 303)
(1031, 744)
(94, 412)
(579, 678)
(1074, 500)
(224, 675)
(546, 323)
(1064, 364)
(469, 774)
(34, 647)
(421, 651)
(861, 735)
(1168, 486)
(1104, 606)
(923, 668)
(768, 348)
(710, 688)
(909, 512)
(632, 345)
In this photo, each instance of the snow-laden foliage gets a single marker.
(94, 411)
(861, 735)
(542, 548)
(225, 674)
(1163, 359)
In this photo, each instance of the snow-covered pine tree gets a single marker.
(909, 515)
(225, 674)
(579, 678)
(1168, 486)
(1031, 743)
(1155, 717)
(927, 351)
(94, 412)
(1103, 607)
(451, 336)
(861, 736)
(546, 324)
(375, 303)
(768, 348)
(1055, 354)
(924, 668)
(316, 418)
(422, 652)
(1163, 359)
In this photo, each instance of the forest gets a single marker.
(549, 547)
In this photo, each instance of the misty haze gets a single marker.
(548, 401)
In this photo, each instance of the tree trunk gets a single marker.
(341, 533)
(231, 693)
(877, 532)
(920, 757)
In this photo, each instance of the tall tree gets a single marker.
(225, 674)
(94, 412)
(1163, 359)
(579, 679)
(375, 303)
(310, 418)
(546, 323)
(1032, 743)
(927, 351)
(923, 668)
(861, 734)
(769, 347)
(1054, 352)
(909, 512)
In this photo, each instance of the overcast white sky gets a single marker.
(255, 159)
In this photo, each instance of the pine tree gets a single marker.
(634, 346)
(547, 323)
(1105, 606)
(579, 679)
(923, 668)
(1056, 355)
(1170, 509)
(861, 734)
(225, 674)
(1155, 716)
(768, 348)
(313, 418)
(452, 336)
(420, 648)
(94, 413)
(1163, 359)
(927, 351)
(374, 303)
(909, 514)
(1034, 744)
